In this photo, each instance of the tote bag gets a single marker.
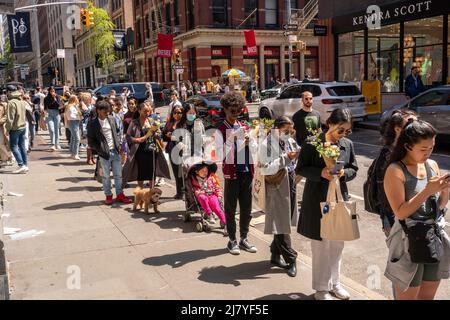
(259, 189)
(339, 219)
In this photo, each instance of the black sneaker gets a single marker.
(247, 246)
(233, 247)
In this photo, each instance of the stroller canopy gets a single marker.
(193, 163)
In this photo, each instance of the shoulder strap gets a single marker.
(428, 169)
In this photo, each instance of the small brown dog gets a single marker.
(146, 197)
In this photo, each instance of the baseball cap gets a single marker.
(10, 88)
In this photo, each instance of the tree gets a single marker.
(102, 38)
(7, 61)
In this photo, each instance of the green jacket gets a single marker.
(16, 112)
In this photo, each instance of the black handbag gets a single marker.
(425, 242)
(424, 238)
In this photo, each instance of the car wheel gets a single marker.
(264, 113)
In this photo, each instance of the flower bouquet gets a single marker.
(329, 152)
(258, 127)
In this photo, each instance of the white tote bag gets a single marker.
(339, 219)
(259, 189)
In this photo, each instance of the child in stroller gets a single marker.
(208, 192)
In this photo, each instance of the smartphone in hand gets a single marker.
(338, 167)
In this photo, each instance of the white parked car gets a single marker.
(327, 97)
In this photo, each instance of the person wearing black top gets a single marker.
(305, 119)
(53, 103)
(326, 254)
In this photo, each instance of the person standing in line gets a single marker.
(391, 130)
(417, 192)
(209, 86)
(73, 117)
(5, 151)
(326, 254)
(175, 103)
(238, 171)
(149, 92)
(15, 127)
(53, 104)
(203, 89)
(183, 92)
(104, 138)
(281, 196)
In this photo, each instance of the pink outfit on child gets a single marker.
(208, 193)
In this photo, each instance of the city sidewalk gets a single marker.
(120, 254)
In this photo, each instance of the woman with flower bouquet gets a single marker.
(318, 157)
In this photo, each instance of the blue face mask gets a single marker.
(191, 117)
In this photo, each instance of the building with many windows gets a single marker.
(209, 34)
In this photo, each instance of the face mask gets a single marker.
(191, 117)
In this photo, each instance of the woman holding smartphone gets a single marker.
(278, 158)
(326, 254)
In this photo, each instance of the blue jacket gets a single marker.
(411, 89)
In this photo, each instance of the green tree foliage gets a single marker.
(8, 61)
(102, 39)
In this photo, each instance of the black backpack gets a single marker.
(371, 202)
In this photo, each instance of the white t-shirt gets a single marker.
(107, 132)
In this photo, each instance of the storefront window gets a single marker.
(351, 43)
(250, 6)
(219, 66)
(351, 68)
(423, 48)
(429, 60)
(383, 57)
(249, 67)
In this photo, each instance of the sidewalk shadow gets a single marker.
(68, 164)
(74, 205)
(89, 171)
(49, 158)
(177, 260)
(165, 220)
(287, 296)
(75, 179)
(85, 188)
(232, 275)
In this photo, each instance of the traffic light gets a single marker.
(87, 17)
(176, 56)
(301, 46)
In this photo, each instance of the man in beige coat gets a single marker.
(5, 151)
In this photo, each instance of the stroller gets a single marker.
(194, 211)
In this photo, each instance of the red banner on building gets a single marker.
(250, 41)
(165, 45)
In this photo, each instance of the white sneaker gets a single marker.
(58, 147)
(22, 169)
(340, 293)
(53, 148)
(323, 295)
(76, 158)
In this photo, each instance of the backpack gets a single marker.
(371, 203)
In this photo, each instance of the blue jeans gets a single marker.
(74, 127)
(17, 144)
(54, 122)
(114, 163)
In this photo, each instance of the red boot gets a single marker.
(122, 198)
(109, 200)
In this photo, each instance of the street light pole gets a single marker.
(288, 20)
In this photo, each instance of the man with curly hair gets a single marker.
(232, 144)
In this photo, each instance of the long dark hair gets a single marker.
(171, 118)
(339, 116)
(396, 120)
(136, 115)
(414, 132)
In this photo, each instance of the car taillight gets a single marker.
(362, 99)
(331, 101)
(245, 110)
(213, 112)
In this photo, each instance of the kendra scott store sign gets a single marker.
(391, 13)
(401, 11)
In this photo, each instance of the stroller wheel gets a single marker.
(206, 227)
(186, 217)
(199, 227)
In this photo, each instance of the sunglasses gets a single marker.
(343, 131)
(235, 110)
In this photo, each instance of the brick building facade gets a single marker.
(206, 32)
